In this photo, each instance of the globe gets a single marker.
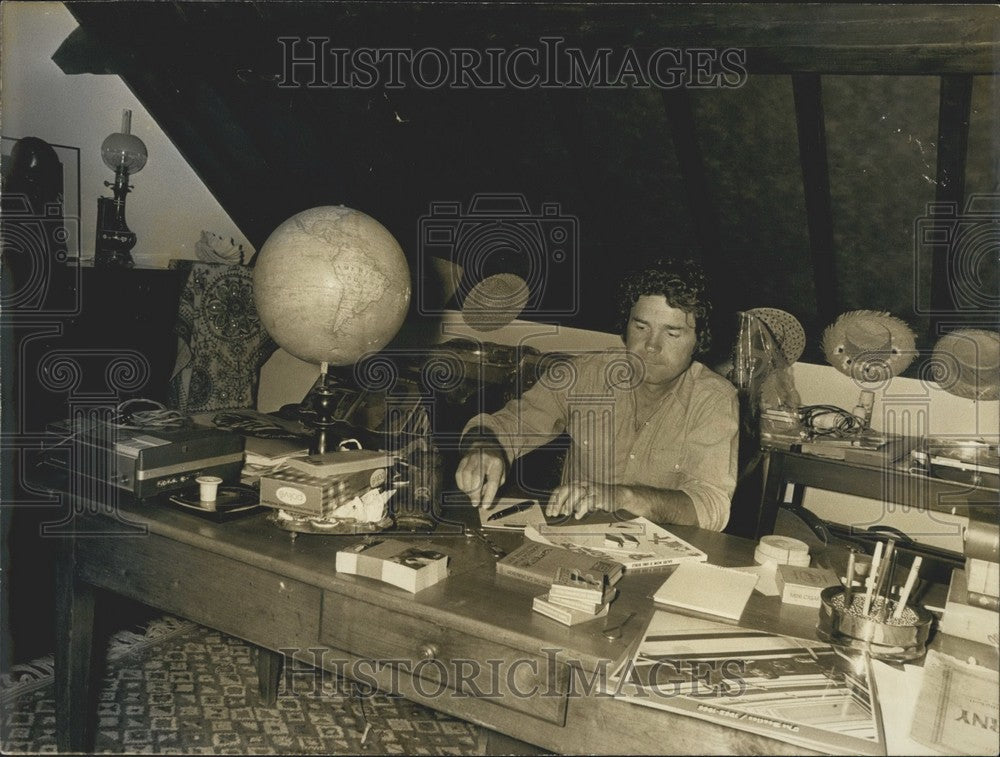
(331, 284)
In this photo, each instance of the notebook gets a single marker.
(707, 589)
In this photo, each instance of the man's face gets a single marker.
(662, 337)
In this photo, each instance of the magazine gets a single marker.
(803, 692)
(636, 543)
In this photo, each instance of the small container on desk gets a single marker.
(881, 634)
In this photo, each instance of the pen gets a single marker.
(884, 575)
(526, 505)
(890, 574)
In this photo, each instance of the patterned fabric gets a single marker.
(221, 343)
(197, 694)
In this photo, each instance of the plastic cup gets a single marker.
(209, 489)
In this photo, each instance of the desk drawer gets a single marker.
(253, 604)
(447, 660)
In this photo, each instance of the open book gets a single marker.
(636, 543)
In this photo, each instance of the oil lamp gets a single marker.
(124, 153)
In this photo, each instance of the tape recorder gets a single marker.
(145, 462)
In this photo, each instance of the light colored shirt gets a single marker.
(688, 442)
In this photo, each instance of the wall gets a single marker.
(170, 205)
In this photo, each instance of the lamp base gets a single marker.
(115, 241)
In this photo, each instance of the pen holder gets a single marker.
(898, 640)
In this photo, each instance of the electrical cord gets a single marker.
(825, 420)
(254, 426)
(159, 417)
(358, 691)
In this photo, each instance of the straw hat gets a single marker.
(495, 301)
(786, 329)
(966, 363)
(869, 345)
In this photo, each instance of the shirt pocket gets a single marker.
(668, 459)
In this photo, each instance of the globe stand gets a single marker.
(322, 401)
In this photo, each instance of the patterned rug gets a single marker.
(179, 688)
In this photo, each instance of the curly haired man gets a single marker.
(652, 431)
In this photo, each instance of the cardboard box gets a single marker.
(297, 492)
(803, 586)
(317, 485)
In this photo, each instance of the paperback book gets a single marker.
(802, 692)
(407, 565)
(958, 706)
(569, 616)
(636, 543)
(570, 583)
(582, 604)
(538, 563)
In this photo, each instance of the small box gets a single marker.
(318, 485)
(803, 586)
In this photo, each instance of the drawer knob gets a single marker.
(429, 651)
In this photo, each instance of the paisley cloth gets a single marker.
(221, 344)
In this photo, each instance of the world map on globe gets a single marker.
(331, 284)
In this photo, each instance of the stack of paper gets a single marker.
(264, 455)
(707, 589)
(408, 565)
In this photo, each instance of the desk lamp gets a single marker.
(124, 153)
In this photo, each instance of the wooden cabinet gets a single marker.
(106, 334)
(72, 336)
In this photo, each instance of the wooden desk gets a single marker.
(250, 579)
(881, 481)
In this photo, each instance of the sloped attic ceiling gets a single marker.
(716, 171)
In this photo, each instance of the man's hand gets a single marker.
(578, 499)
(480, 473)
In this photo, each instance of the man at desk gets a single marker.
(652, 431)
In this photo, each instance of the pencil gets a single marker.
(883, 570)
(849, 589)
(904, 597)
(872, 575)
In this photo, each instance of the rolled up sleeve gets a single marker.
(525, 423)
(711, 460)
